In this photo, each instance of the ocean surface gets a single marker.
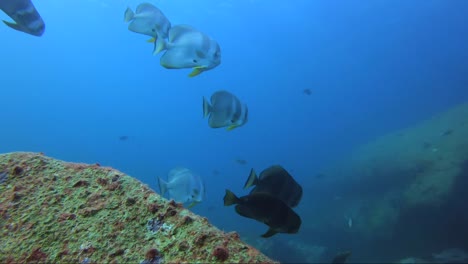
(371, 67)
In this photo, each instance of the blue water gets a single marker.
(373, 66)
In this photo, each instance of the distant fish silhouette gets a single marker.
(447, 132)
(341, 257)
(426, 145)
(241, 161)
(319, 175)
(25, 15)
(123, 138)
(307, 91)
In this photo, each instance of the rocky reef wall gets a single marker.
(58, 212)
(408, 186)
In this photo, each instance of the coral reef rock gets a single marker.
(57, 212)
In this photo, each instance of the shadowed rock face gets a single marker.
(406, 191)
(63, 212)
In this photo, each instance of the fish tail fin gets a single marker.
(271, 232)
(252, 180)
(196, 71)
(159, 45)
(129, 15)
(230, 198)
(162, 186)
(206, 107)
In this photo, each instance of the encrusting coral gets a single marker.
(57, 212)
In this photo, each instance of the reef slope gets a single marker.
(58, 212)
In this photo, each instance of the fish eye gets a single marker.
(154, 30)
(195, 61)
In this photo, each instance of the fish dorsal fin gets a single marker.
(252, 180)
(176, 173)
(271, 232)
(146, 7)
(179, 30)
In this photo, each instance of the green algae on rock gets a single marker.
(57, 212)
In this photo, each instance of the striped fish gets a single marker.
(225, 110)
(25, 16)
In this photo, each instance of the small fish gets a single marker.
(241, 161)
(341, 257)
(276, 181)
(25, 15)
(183, 186)
(319, 175)
(426, 145)
(225, 110)
(123, 138)
(267, 209)
(447, 132)
(307, 91)
(149, 20)
(190, 48)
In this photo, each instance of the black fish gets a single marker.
(447, 132)
(123, 138)
(276, 181)
(307, 91)
(267, 209)
(341, 257)
(25, 15)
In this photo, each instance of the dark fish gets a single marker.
(216, 172)
(426, 145)
(123, 138)
(307, 91)
(276, 181)
(319, 175)
(267, 209)
(447, 132)
(25, 15)
(341, 257)
(241, 161)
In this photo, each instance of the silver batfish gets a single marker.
(25, 15)
(225, 110)
(183, 186)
